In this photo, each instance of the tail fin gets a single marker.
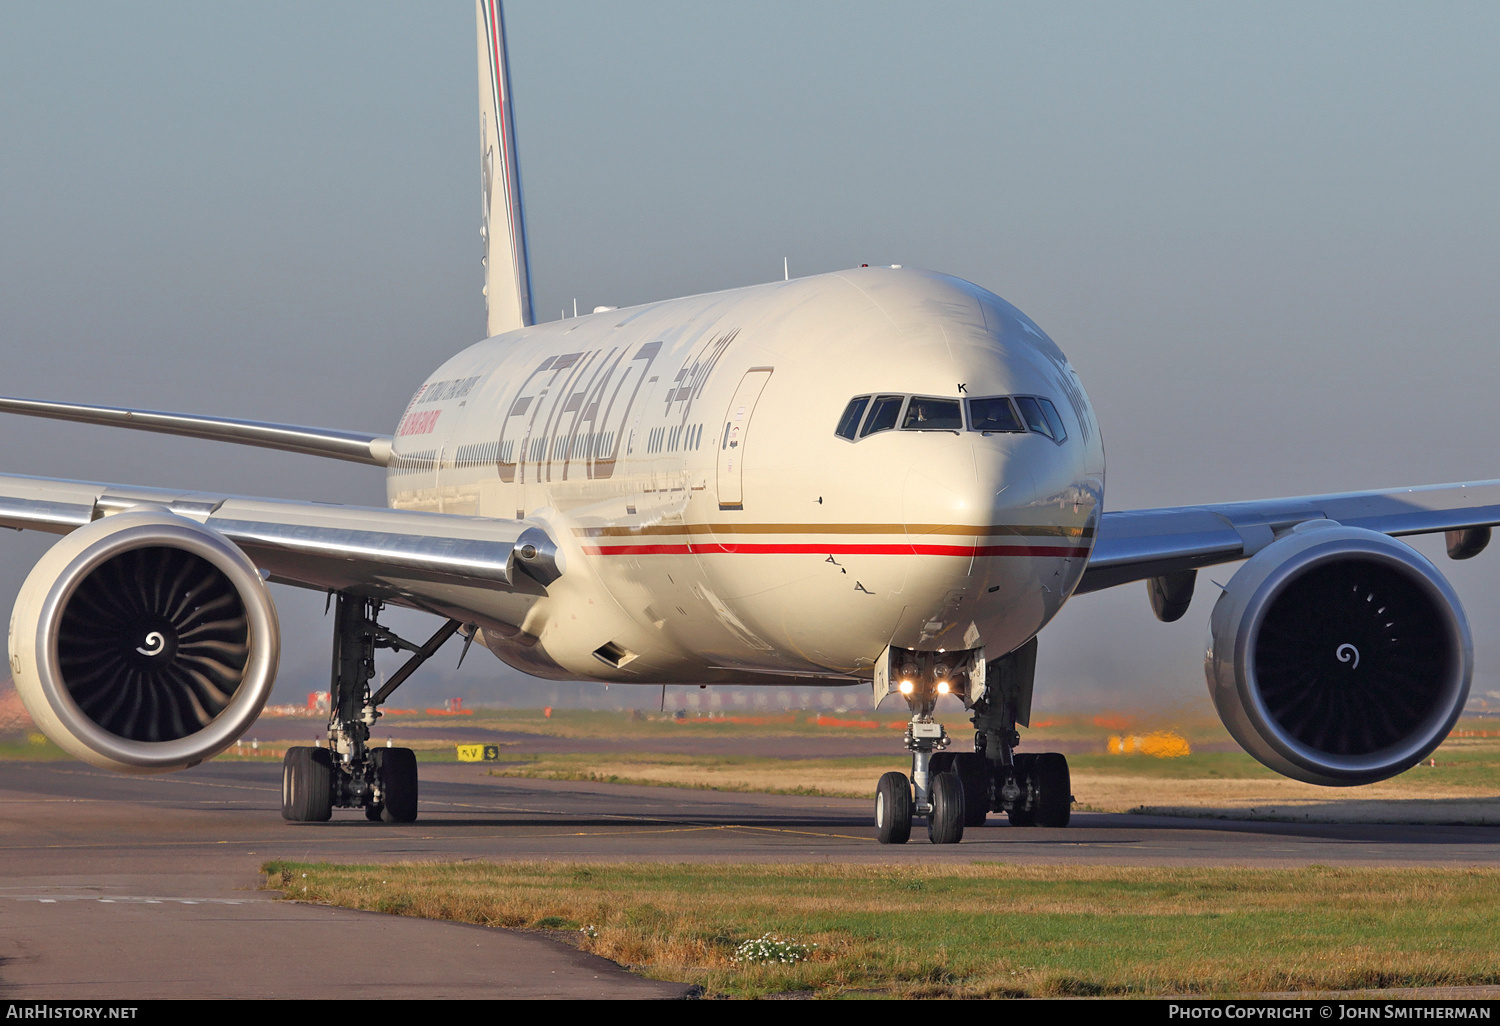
(507, 267)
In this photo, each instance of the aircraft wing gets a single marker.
(426, 561)
(1134, 545)
(354, 446)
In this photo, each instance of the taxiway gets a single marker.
(138, 887)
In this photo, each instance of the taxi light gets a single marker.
(906, 687)
(942, 687)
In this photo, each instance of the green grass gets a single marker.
(582, 723)
(30, 747)
(971, 931)
(268, 753)
(1461, 762)
(1471, 762)
(847, 777)
(1197, 766)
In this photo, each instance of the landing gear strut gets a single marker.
(1032, 790)
(955, 790)
(939, 793)
(349, 774)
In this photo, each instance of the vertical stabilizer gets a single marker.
(507, 269)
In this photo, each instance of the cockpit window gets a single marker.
(849, 422)
(883, 414)
(924, 413)
(1014, 414)
(1035, 419)
(1059, 432)
(993, 414)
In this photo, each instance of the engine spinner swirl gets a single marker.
(144, 642)
(1338, 656)
(154, 643)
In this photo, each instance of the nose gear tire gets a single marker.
(893, 809)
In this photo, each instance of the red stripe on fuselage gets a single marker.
(709, 548)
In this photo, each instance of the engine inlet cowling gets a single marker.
(1338, 655)
(144, 642)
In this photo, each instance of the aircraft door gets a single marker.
(736, 435)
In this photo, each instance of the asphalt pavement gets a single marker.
(141, 887)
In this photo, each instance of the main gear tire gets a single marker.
(1054, 790)
(973, 770)
(1023, 813)
(396, 771)
(306, 785)
(945, 824)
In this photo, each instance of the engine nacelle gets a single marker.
(144, 642)
(1338, 656)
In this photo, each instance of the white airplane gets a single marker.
(879, 477)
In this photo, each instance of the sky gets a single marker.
(1266, 234)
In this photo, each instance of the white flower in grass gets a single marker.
(768, 948)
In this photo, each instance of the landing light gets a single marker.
(942, 687)
(905, 687)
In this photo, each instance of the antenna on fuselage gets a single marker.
(507, 265)
(786, 272)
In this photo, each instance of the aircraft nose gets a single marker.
(957, 498)
(954, 493)
(941, 488)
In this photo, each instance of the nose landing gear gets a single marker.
(939, 793)
(955, 790)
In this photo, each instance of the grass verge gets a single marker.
(1225, 781)
(30, 747)
(983, 930)
(427, 750)
(839, 778)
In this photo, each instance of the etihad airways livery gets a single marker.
(881, 477)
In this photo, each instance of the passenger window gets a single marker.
(1058, 431)
(849, 422)
(884, 413)
(993, 414)
(928, 414)
(1032, 412)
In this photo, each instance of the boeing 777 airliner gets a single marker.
(879, 477)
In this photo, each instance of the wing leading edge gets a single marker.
(1135, 545)
(442, 563)
(354, 446)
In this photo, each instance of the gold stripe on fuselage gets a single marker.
(965, 530)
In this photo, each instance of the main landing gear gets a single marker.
(349, 774)
(954, 790)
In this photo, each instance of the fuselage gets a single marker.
(715, 524)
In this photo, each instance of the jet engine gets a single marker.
(144, 642)
(1338, 655)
